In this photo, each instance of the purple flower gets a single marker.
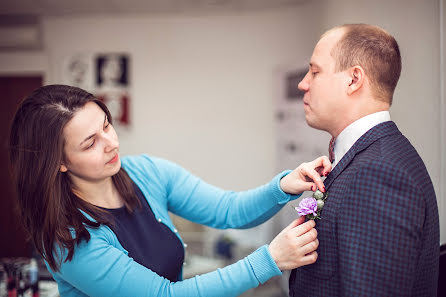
(307, 206)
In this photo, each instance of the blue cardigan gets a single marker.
(102, 266)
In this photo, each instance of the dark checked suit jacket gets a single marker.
(379, 231)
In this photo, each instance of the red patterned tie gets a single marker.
(331, 154)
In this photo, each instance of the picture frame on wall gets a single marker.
(107, 76)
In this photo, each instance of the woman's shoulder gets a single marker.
(132, 160)
(145, 166)
(144, 161)
(141, 161)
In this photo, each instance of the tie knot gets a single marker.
(331, 154)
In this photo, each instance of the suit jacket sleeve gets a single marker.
(379, 228)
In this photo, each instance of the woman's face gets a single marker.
(91, 149)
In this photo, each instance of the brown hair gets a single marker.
(51, 212)
(376, 51)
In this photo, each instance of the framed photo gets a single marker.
(112, 85)
(107, 76)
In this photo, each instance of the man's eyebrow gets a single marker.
(92, 135)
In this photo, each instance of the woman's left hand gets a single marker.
(306, 177)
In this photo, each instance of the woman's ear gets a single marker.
(63, 168)
(357, 77)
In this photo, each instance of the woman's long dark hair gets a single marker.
(50, 210)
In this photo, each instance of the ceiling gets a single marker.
(85, 7)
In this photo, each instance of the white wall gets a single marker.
(442, 200)
(23, 63)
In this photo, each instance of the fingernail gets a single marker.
(313, 188)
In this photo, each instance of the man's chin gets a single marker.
(309, 121)
(312, 123)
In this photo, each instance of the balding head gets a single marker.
(375, 50)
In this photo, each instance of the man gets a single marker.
(379, 230)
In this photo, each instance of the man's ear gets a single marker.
(63, 168)
(357, 78)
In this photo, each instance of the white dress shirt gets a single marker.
(355, 130)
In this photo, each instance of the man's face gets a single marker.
(324, 98)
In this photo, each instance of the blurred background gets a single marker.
(212, 86)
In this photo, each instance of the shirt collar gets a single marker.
(355, 130)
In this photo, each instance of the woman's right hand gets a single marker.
(296, 245)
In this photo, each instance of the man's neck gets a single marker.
(347, 138)
(357, 113)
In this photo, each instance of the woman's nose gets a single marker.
(111, 143)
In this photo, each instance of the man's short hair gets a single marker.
(376, 51)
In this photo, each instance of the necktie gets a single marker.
(331, 154)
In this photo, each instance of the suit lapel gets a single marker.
(374, 134)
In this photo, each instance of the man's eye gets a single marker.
(314, 73)
(91, 145)
(106, 126)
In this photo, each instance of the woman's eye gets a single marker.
(91, 145)
(314, 73)
(106, 126)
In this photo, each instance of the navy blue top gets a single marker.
(149, 242)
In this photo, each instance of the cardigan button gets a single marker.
(159, 220)
(175, 230)
(185, 245)
(184, 263)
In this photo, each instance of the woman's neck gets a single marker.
(100, 193)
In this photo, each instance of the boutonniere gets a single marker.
(311, 207)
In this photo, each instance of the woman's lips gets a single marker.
(115, 158)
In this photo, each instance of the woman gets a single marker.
(102, 224)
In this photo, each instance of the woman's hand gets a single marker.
(296, 245)
(306, 177)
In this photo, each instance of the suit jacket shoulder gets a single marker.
(379, 222)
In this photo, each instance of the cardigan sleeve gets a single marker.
(100, 269)
(193, 199)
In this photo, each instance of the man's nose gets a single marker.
(304, 84)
